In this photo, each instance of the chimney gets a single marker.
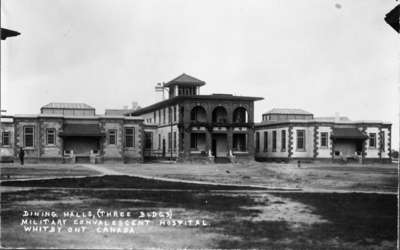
(337, 117)
(134, 105)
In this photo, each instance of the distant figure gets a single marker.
(298, 164)
(21, 155)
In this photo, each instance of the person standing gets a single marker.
(21, 155)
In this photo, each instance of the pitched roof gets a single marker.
(67, 105)
(117, 111)
(288, 111)
(185, 79)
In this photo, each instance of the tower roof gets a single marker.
(185, 80)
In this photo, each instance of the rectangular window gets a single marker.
(239, 142)
(159, 141)
(129, 137)
(112, 136)
(5, 138)
(148, 140)
(159, 116)
(265, 141)
(28, 136)
(154, 116)
(301, 139)
(193, 141)
(174, 113)
(383, 141)
(283, 140)
(324, 139)
(50, 136)
(169, 141)
(164, 117)
(274, 141)
(372, 140)
(257, 142)
(175, 140)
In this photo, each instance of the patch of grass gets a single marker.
(120, 181)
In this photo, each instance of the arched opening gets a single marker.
(219, 115)
(198, 114)
(240, 115)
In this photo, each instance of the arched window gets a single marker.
(198, 114)
(220, 115)
(240, 115)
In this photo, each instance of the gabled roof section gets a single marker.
(185, 80)
(286, 111)
(117, 111)
(67, 105)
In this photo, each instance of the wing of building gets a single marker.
(71, 133)
(295, 134)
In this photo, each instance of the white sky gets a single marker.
(306, 54)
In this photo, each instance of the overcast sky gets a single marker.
(324, 56)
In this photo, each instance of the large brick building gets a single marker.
(72, 132)
(189, 125)
(294, 134)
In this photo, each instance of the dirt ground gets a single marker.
(320, 218)
(234, 220)
(309, 177)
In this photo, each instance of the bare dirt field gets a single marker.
(234, 220)
(309, 177)
(319, 217)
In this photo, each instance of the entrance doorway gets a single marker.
(219, 145)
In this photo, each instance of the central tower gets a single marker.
(184, 85)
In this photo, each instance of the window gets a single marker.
(28, 136)
(301, 139)
(50, 136)
(265, 141)
(112, 136)
(154, 116)
(372, 140)
(169, 141)
(193, 140)
(324, 139)
(274, 141)
(383, 141)
(6, 138)
(164, 117)
(129, 137)
(148, 140)
(159, 141)
(239, 142)
(174, 113)
(159, 116)
(175, 140)
(283, 140)
(257, 141)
